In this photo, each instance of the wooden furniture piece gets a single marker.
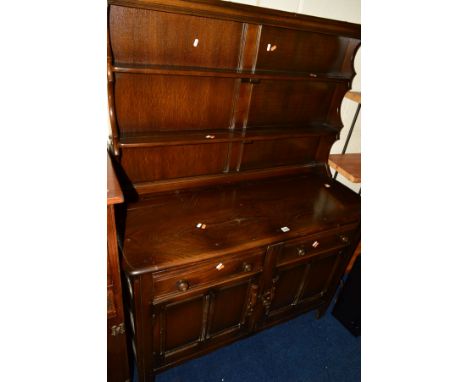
(348, 164)
(117, 359)
(223, 116)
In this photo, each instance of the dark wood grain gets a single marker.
(208, 272)
(176, 138)
(295, 250)
(299, 284)
(276, 103)
(228, 73)
(218, 314)
(161, 232)
(284, 152)
(168, 162)
(250, 44)
(140, 36)
(147, 189)
(246, 13)
(163, 103)
(110, 101)
(117, 356)
(223, 116)
(302, 51)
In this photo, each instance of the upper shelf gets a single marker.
(221, 136)
(207, 42)
(226, 73)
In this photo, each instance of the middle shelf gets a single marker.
(146, 139)
(253, 75)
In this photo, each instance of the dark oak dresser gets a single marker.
(222, 117)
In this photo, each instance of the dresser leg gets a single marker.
(144, 375)
(149, 377)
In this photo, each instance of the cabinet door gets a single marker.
(186, 324)
(300, 285)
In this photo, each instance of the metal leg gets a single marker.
(351, 129)
(348, 137)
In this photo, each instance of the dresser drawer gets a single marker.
(218, 270)
(303, 249)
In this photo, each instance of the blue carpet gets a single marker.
(303, 349)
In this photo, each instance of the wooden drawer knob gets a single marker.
(300, 251)
(182, 285)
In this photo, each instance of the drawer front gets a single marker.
(297, 250)
(184, 281)
(140, 36)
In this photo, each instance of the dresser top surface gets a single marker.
(182, 227)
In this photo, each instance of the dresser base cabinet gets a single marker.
(196, 289)
(222, 118)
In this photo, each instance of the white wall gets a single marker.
(344, 10)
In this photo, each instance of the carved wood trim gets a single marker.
(162, 331)
(349, 57)
(111, 100)
(208, 307)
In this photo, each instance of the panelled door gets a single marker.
(300, 281)
(190, 322)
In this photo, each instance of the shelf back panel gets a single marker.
(140, 36)
(155, 103)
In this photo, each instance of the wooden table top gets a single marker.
(348, 165)
(114, 192)
(354, 96)
(162, 232)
